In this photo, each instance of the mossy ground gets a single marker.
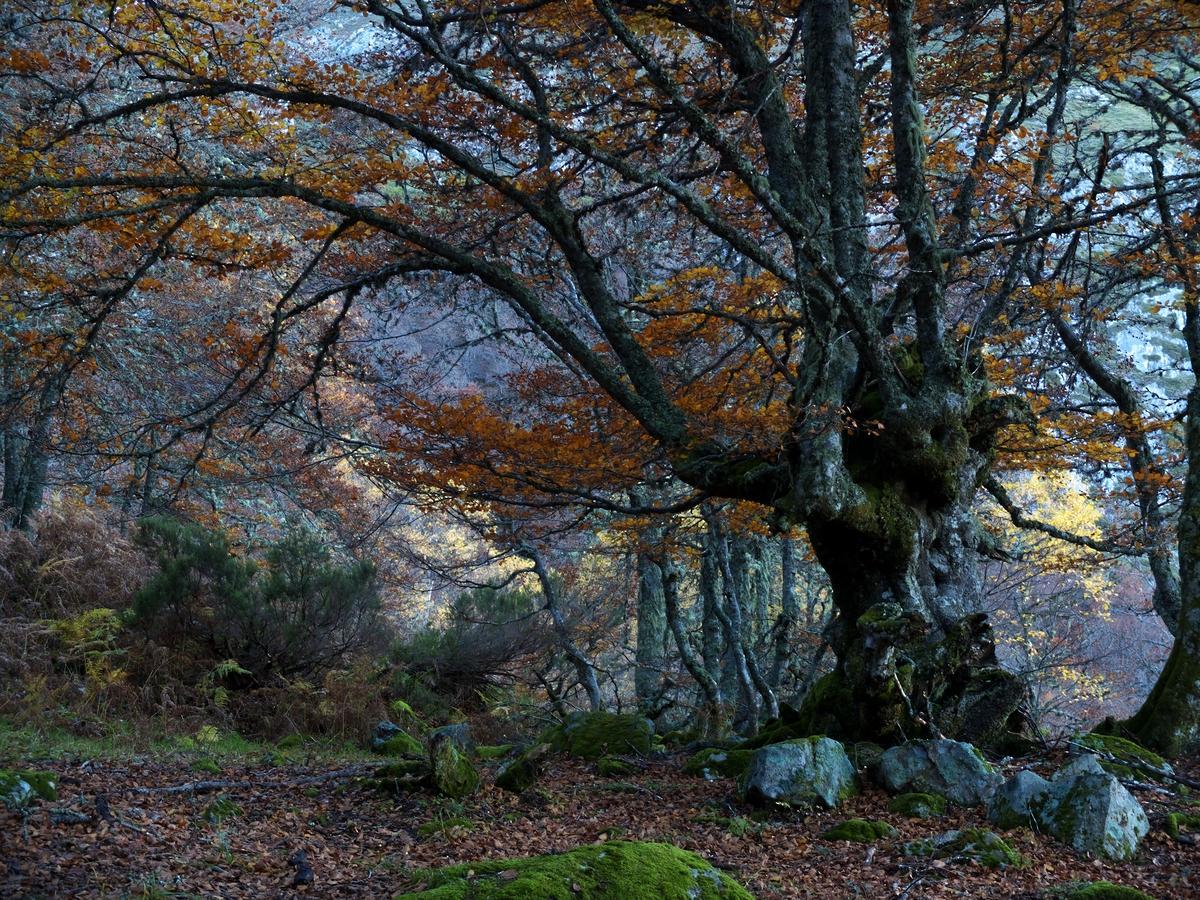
(616, 870)
(1101, 890)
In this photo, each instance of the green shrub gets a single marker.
(298, 614)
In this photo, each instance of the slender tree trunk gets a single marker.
(583, 666)
(711, 722)
(789, 612)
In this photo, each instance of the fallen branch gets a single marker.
(207, 787)
(1136, 764)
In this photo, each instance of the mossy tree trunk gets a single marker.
(649, 683)
(1169, 720)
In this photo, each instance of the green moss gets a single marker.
(862, 831)
(617, 870)
(1103, 890)
(712, 762)
(918, 805)
(613, 767)
(494, 751)
(1178, 823)
(977, 845)
(820, 713)
(596, 734)
(221, 809)
(402, 744)
(206, 766)
(1126, 752)
(292, 741)
(444, 825)
(451, 770)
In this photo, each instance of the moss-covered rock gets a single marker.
(976, 845)
(1091, 810)
(592, 735)
(805, 772)
(862, 831)
(953, 769)
(713, 762)
(1017, 801)
(519, 773)
(452, 773)
(1129, 760)
(614, 767)
(918, 805)
(1102, 890)
(1180, 823)
(19, 789)
(616, 870)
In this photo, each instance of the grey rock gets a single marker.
(803, 772)
(953, 769)
(384, 731)
(1014, 802)
(459, 734)
(1090, 810)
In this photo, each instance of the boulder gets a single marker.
(955, 770)
(459, 733)
(519, 773)
(976, 845)
(383, 732)
(451, 771)
(1090, 810)
(804, 772)
(616, 870)
(591, 735)
(1014, 802)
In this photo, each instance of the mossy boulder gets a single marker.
(952, 769)
(1129, 761)
(918, 805)
(1091, 811)
(519, 773)
(1179, 824)
(974, 845)
(1016, 801)
(1102, 890)
(805, 772)
(616, 870)
(862, 831)
(713, 762)
(451, 771)
(457, 732)
(19, 789)
(592, 735)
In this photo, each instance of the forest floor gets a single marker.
(132, 838)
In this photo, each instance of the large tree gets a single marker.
(762, 244)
